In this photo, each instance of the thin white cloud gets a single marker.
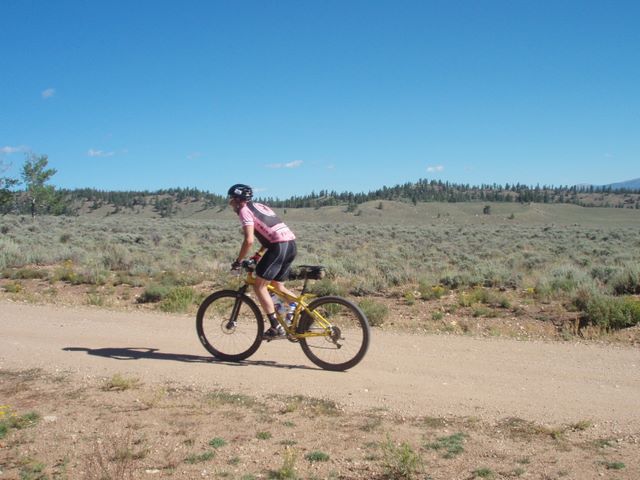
(294, 164)
(8, 150)
(435, 168)
(48, 93)
(99, 153)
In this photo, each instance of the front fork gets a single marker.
(233, 319)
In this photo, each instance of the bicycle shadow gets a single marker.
(138, 353)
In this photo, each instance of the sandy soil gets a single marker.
(404, 375)
(441, 375)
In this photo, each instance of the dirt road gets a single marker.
(549, 383)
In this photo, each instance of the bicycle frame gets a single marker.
(302, 305)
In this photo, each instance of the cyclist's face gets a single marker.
(235, 203)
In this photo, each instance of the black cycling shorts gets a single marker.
(276, 263)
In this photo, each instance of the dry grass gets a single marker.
(109, 434)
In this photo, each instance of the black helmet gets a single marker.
(241, 192)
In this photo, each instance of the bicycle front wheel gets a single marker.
(229, 325)
(340, 344)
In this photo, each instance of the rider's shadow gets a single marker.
(137, 353)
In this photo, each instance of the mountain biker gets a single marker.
(274, 257)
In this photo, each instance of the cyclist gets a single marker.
(276, 255)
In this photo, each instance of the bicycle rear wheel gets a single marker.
(349, 338)
(229, 325)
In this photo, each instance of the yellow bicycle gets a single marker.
(333, 332)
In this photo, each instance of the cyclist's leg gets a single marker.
(266, 302)
(288, 255)
(260, 287)
(280, 286)
(273, 268)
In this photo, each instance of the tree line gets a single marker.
(438, 191)
(37, 196)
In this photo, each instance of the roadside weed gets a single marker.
(33, 470)
(401, 461)
(317, 456)
(200, 458)
(221, 397)
(10, 420)
(452, 445)
(614, 465)
(288, 469)
(483, 473)
(119, 383)
(217, 442)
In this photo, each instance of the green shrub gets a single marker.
(116, 257)
(375, 312)
(326, 287)
(456, 280)
(611, 313)
(481, 295)
(29, 274)
(409, 298)
(626, 282)
(10, 253)
(13, 287)
(154, 293)
(179, 299)
(604, 273)
(317, 456)
(429, 291)
(94, 274)
(568, 279)
(66, 273)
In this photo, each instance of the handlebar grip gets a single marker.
(249, 264)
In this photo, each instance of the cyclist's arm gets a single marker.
(247, 243)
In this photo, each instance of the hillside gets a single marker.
(628, 185)
(190, 202)
(396, 212)
(169, 202)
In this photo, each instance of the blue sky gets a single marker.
(296, 96)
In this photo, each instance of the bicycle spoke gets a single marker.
(344, 342)
(229, 326)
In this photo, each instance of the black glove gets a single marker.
(236, 265)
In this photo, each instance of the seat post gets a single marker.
(304, 286)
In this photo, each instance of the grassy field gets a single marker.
(449, 259)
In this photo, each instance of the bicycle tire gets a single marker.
(224, 340)
(346, 319)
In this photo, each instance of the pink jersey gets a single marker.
(267, 225)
